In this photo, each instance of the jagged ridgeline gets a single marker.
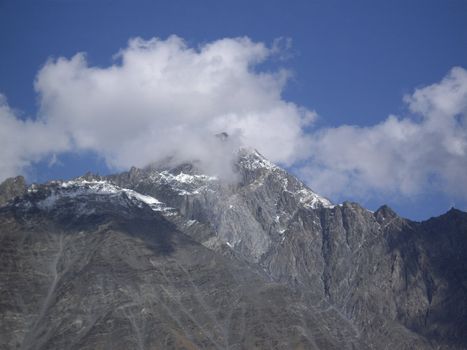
(171, 258)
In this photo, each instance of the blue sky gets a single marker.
(350, 62)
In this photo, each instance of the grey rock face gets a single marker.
(11, 188)
(167, 257)
(88, 266)
(250, 215)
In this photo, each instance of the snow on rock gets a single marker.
(311, 200)
(252, 160)
(82, 188)
(182, 183)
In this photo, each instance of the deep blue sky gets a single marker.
(353, 60)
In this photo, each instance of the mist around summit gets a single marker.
(165, 98)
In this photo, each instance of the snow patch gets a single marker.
(80, 188)
(190, 223)
(184, 184)
(253, 160)
(309, 199)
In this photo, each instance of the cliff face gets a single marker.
(172, 258)
(11, 188)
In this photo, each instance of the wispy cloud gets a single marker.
(25, 141)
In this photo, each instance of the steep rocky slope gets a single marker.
(168, 257)
(88, 265)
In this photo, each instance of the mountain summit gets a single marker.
(172, 258)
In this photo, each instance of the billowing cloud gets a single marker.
(424, 152)
(163, 98)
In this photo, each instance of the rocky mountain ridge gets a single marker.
(173, 258)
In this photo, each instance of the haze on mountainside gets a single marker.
(163, 98)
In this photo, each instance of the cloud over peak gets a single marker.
(163, 98)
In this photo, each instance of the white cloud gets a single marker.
(426, 152)
(24, 141)
(163, 98)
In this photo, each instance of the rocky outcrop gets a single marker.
(11, 188)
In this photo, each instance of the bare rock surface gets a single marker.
(11, 188)
(167, 257)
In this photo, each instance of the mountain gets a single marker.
(167, 257)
